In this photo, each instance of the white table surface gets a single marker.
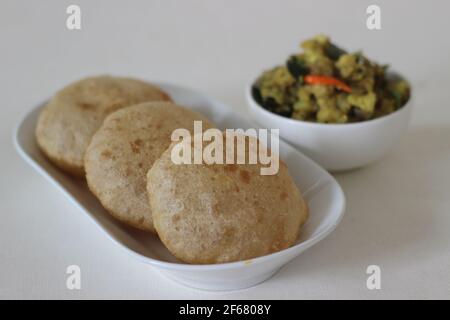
(398, 214)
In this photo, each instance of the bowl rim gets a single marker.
(255, 105)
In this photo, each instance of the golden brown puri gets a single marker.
(124, 149)
(67, 123)
(223, 213)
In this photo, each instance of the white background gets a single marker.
(398, 214)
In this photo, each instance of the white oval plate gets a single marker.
(324, 196)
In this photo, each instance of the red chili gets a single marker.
(325, 80)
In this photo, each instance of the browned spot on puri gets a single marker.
(284, 195)
(215, 207)
(128, 172)
(175, 218)
(113, 106)
(136, 145)
(228, 234)
(259, 217)
(140, 164)
(106, 154)
(141, 220)
(165, 96)
(236, 188)
(85, 105)
(245, 176)
(158, 126)
(230, 167)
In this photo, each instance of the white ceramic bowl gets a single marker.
(323, 194)
(337, 147)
